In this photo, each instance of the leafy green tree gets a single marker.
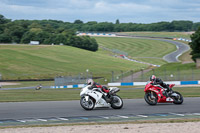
(27, 37)
(117, 21)
(195, 45)
(48, 28)
(78, 22)
(91, 23)
(5, 38)
(181, 25)
(1, 29)
(35, 25)
(3, 20)
(60, 39)
(17, 33)
(105, 26)
(89, 43)
(195, 26)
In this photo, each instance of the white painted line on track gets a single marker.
(41, 119)
(142, 115)
(104, 117)
(23, 121)
(64, 119)
(177, 114)
(196, 113)
(123, 116)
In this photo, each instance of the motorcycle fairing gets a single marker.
(159, 91)
(101, 103)
(96, 95)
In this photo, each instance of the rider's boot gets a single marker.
(165, 93)
(108, 100)
(169, 92)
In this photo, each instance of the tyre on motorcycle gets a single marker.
(150, 98)
(116, 102)
(178, 99)
(87, 105)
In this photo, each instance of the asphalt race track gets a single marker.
(57, 109)
(42, 110)
(181, 48)
(173, 56)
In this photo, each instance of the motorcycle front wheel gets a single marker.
(117, 102)
(151, 98)
(178, 99)
(87, 105)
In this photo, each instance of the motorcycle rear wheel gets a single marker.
(148, 98)
(117, 102)
(179, 99)
(87, 105)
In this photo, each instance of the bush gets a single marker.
(195, 45)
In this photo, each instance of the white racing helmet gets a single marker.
(152, 77)
(90, 82)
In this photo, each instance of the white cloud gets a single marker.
(145, 11)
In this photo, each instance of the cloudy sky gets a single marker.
(136, 11)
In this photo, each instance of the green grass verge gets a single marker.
(139, 49)
(38, 95)
(178, 70)
(186, 57)
(28, 84)
(25, 61)
(185, 35)
(70, 94)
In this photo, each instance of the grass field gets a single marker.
(185, 35)
(66, 94)
(25, 61)
(178, 70)
(186, 57)
(44, 61)
(145, 50)
(19, 84)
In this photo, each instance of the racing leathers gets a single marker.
(158, 81)
(103, 89)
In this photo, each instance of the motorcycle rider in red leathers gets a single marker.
(158, 81)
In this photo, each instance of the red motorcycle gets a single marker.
(157, 94)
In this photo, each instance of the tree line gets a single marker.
(44, 31)
(59, 32)
(173, 26)
(195, 45)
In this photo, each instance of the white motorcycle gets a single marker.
(93, 98)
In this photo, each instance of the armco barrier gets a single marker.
(68, 86)
(144, 83)
(130, 84)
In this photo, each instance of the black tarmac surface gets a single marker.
(48, 109)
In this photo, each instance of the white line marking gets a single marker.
(41, 119)
(196, 113)
(177, 114)
(64, 119)
(123, 116)
(23, 121)
(142, 115)
(105, 117)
